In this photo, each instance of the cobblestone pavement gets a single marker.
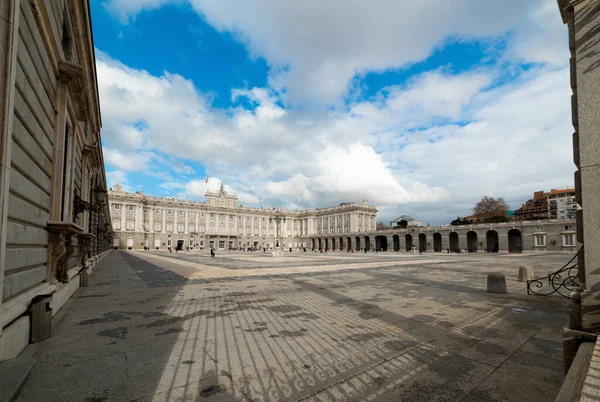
(247, 327)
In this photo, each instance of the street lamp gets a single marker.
(278, 217)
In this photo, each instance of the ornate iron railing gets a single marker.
(562, 282)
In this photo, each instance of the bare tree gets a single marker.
(491, 206)
(382, 226)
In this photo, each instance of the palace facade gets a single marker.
(141, 221)
(54, 219)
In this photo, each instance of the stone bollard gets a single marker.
(525, 273)
(496, 282)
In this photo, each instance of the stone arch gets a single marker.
(437, 242)
(320, 244)
(409, 241)
(472, 245)
(349, 245)
(396, 241)
(333, 243)
(357, 240)
(341, 244)
(312, 244)
(492, 241)
(422, 241)
(515, 243)
(381, 242)
(326, 244)
(367, 243)
(453, 241)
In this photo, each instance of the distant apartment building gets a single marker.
(535, 208)
(555, 204)
(562, 204)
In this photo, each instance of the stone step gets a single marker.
(13, 374)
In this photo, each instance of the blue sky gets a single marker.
(420, 108)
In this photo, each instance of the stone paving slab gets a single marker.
(374, 327)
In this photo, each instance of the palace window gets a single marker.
(130, 207)
(157, 227)
(180, 228)
(130, 226)
(221, 243)
(117, 225)
(157, 211)
(540, 240)
(180, 213)
(169, 212)
(568, 239)
(117, 206)
(169, 242)
(169, 227)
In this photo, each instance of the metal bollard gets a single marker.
(41, 318)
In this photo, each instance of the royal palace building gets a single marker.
(54, 218)
(141, 221)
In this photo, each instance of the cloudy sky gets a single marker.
(420, 107)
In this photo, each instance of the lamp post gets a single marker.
(278, 217)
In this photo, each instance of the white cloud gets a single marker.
(315, 48)
(542, 39)
(125, 10)
(430, 147)
(123, 160)
(118, 176)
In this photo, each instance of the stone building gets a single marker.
(53, 224)
(518, 236)
(535, 208)
(562, 204)
(141, 221)
(583, 20)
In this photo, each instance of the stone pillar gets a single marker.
(503, 238)
(445, 240)
(151, 222)
(583, 19)
(462, 240)
(187, 220)
(124, 209)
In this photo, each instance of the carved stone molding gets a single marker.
(61, 248)
(73, 75)
(84, 240)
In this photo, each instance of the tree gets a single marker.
(403, 223)
(382, 226)
(491, 206)
(460, 221)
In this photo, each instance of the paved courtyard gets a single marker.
(154, 326)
